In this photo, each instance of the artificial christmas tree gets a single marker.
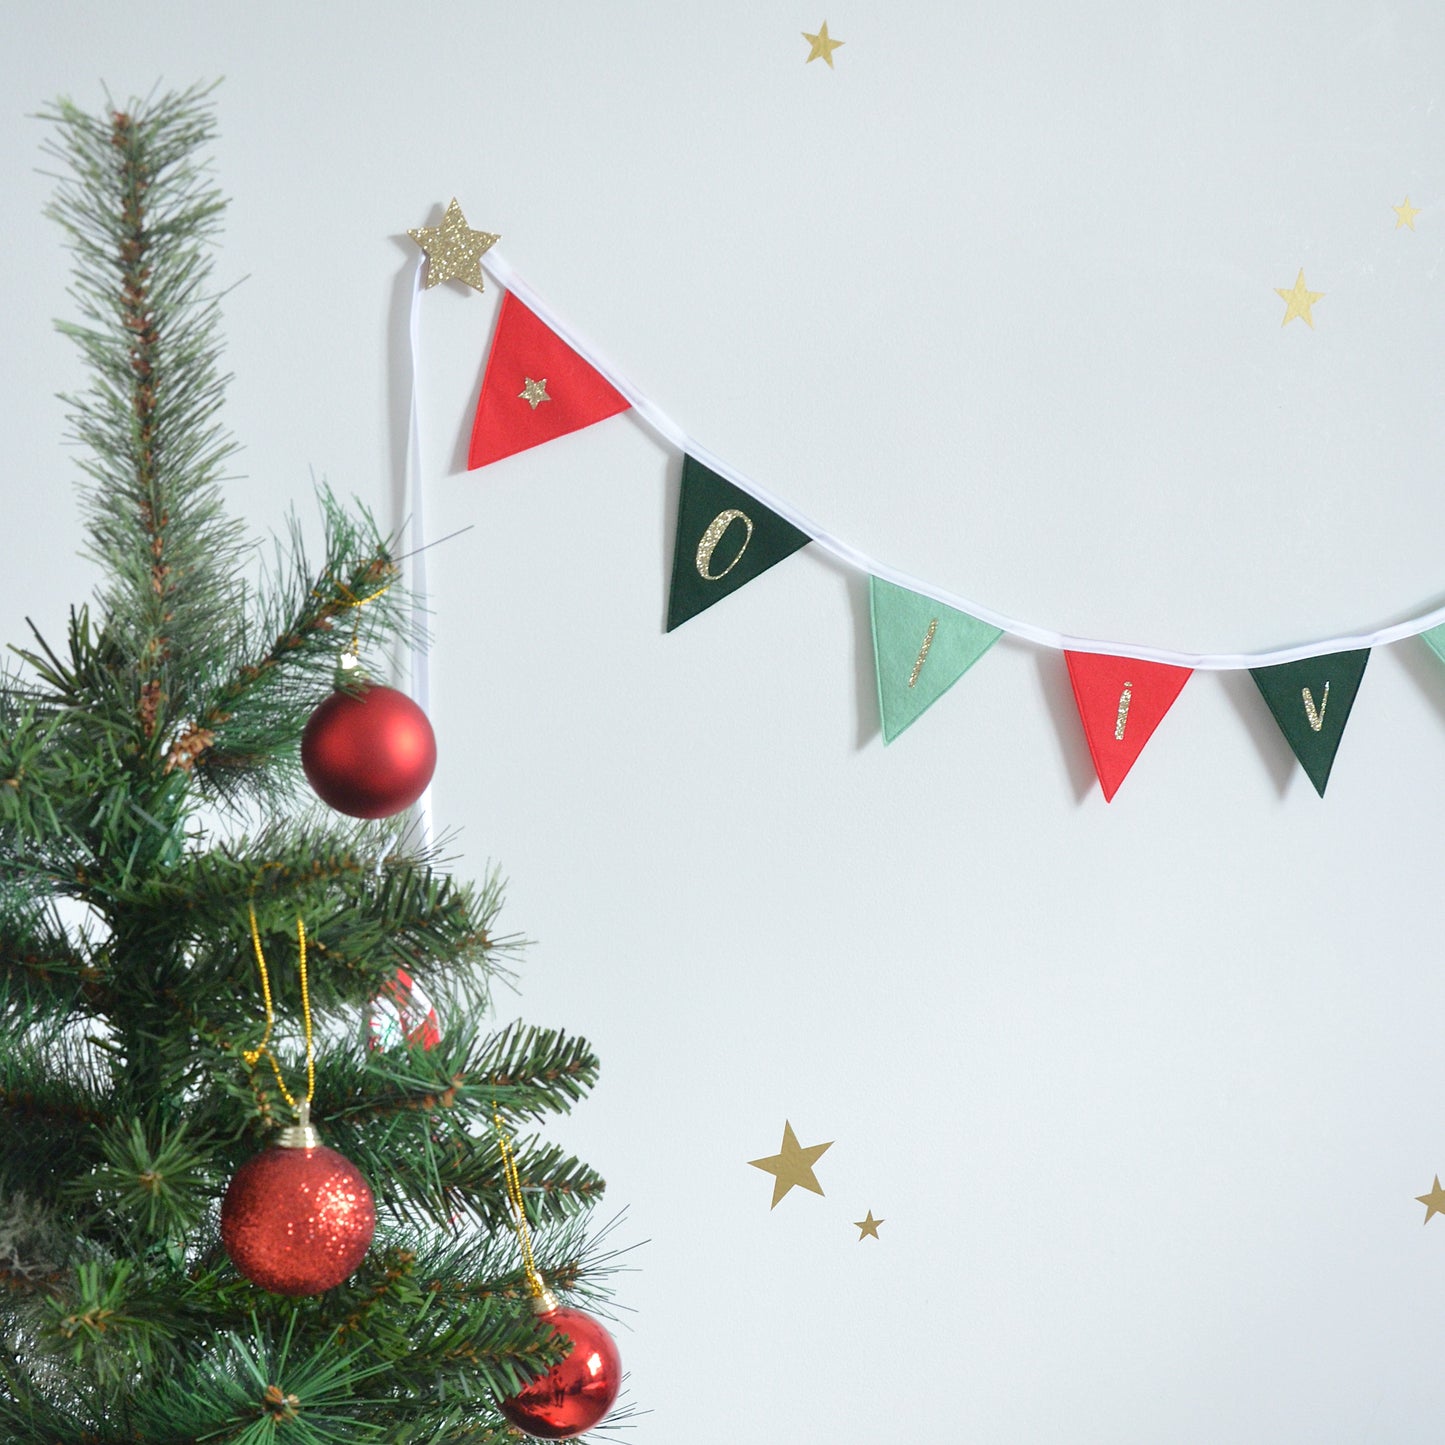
(151, 807)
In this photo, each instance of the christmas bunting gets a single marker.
(1121, 701)
(725, 538)
(535, 389)
(1311, 702)
(538, 386)
(921, 649)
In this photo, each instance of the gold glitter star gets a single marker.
(534, 393)
(792, 1165)
(823, 47)
(867, 1227)
(1405, 214)
(1299, 299)
(453, 249)
(1434, 1201)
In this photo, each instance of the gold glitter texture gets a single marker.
(297, 1221)
(1123, 716)
(923, 652)
(714, 534)
(453, 250)
(534, 393)
(1316, 719)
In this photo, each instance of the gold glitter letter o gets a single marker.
(713, 536)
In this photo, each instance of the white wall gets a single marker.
(1143, 1091)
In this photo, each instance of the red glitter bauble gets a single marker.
(370, 753)
(575, 1393)
(298, 1221)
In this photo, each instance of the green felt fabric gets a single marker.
(908, 687)
(1435, 638)
(716, 554)
(1313, 726)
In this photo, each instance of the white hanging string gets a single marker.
(416, 532)
(659, 422)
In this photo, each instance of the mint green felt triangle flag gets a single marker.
(1435, 638)
(1311, 701)
(725, 538)
(921, 649)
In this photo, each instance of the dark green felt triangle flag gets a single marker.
(725, 538)
(1311, 702)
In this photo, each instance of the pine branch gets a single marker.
(139, 213)
(245, 734)
(44, 973)
(523, 1071)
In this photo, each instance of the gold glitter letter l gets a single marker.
(923, 652)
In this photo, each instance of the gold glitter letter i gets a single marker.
(1123, 716)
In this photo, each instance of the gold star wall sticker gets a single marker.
(792, 1165)
(453, 249)
(1298, 300)
(1405, 214)
(1434, 1201)
(823, 46)
(868, 1228)
(534, 393)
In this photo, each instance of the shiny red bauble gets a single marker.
(575, 1393)
(369, 753)
(298, 1221)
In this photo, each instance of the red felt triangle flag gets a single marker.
(1121, 701)
(535, 389)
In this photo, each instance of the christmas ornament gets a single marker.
(453, 250)
(369, 753)
(579, 1390)
(792, 1165)
(402, 1014)
(298, 1217)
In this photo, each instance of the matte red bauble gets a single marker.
(575, 1393)
(298, 1220)
(370, 753)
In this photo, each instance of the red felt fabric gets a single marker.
(524, 348)
(1099, 683)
